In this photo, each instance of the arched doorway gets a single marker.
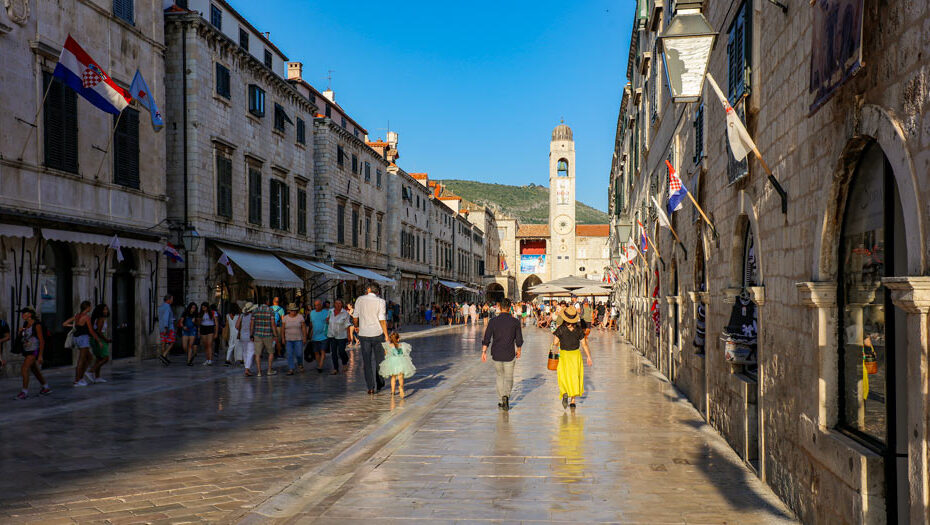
(872, 342)
(55, 289)
(528, 283)
(122, 307)
(495, 292)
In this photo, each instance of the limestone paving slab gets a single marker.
(632, 452)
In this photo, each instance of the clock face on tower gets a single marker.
(562, 224)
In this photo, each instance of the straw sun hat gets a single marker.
(292, 307)
(569, 315)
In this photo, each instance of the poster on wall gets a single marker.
(48, 289)
(532, 263)
(836, 47)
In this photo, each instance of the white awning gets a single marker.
(365, 273)
(451, 284)
(100, 240)
(318, 267)
(13, 230)
(264, 268)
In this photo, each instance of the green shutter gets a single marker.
(126, 149)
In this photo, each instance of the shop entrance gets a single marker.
(123, 309)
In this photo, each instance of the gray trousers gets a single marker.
(504, 371)
(372, 354)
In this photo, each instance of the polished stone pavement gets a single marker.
(205, 444)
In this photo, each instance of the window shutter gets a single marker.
(61, 129)
(255, 196)
(124, 9)
(301, 212)
(285, 207)
(223, 186)
(126, 149)
(275, 208)
(699, 134)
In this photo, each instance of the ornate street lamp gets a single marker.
(686, 46)
(190, 238)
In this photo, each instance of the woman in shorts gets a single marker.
(82, 331)
(208, 321)
(188, 325)
(32, 338)
(100, 345)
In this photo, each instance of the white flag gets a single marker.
(663, 219)
(740, 141)
(115, 246)
(224, 260)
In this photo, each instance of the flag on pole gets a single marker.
(172, 253)
(503, 262)
(140, 91)
(663, 219)
(79, 71)
(643, 243)
(740, 141)
(676, 190)
(115, 246)
(224, 260)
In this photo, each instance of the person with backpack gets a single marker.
(30, 342)
(82, 333)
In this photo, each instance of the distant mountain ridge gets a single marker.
(528, 204)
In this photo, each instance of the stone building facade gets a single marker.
(835, 413)
(68, 189)
(240, 158)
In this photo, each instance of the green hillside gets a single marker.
(529, 204)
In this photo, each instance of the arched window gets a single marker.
(871, 247)
(750, 267)
(563, 168)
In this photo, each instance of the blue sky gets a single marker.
(473, 89)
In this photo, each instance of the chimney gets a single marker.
(330, 95)
(295, 70)
(267, 35)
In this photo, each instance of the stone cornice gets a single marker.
(817, 294)
(911, 294)
(344, 134)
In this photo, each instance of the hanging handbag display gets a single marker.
(739, 336)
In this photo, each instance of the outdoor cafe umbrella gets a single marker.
(591, 291)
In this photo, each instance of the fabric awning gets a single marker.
(15, 230)
(263, 267)
(100, 240)
(318, 267)
(451, 284)
(365, 273)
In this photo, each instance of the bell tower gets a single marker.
(562, 203)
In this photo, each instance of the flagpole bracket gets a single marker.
(784, 8)
(781, 192)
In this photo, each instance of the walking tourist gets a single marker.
(278, 312)
(188, 325)
(264, 331)
(473, 312)
(244, 325)
(428, 315)
(568, 338)
(397, 363)
(587, 317)
(231, 335)
(100, 345)
(369, 317)
(31, 342)
(318, 330)
(82, 333)
(338, 328)
(166, 328)
(208, 321)
(295, 336)
(353, 340)
(505, 337)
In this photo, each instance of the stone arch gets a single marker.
(529, 282)
(746, 219)
(495, 292)
(872, 124)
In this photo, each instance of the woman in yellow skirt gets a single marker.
(569, 338)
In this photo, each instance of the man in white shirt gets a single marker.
(371, 327)
(338, 324)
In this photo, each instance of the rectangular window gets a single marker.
(329, 111)
(301, 131)
(223, 186)
(222, 81)
(60, 126)
(355, 163)
(256, 101)
(280, 117)
(378, 236)
(123, 9)
(255, 196)
(340, 156)
(301, 212)
(126, 149)
(216, 16)
(343, 122)
(739, 52)
(368, 232)
(699, 134)
(268, 59)
(341, 223)
(367, 171)
(355, 227)
(378, 178)
(279, 212)
(243, 39)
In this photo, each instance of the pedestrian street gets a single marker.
(180, 444)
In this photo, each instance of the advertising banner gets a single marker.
(532, 263)
(836, 46)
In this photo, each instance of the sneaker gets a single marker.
(228, 363)
(90, 378)
(80, 383)
(272, 373)
(45, 391)
(100, 380)
(208, 363)
(21, 395)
